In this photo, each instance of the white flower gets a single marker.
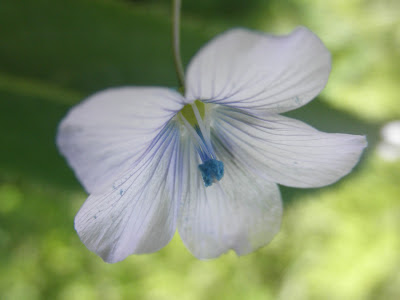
(139, 157)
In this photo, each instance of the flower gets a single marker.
(206, 164)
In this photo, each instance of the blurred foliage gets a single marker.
(364, 37)
(339, 242)
(210, 8)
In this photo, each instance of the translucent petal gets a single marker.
(285, 150)
(107, 132)
(255, 71)
(240, 212)
(137, 213)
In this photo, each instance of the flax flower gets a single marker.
(206, 163)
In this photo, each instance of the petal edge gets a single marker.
(254, 71)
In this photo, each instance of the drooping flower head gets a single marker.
(206, 163)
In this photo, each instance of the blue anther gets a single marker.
(212, 171)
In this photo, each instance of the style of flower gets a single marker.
(206, 163)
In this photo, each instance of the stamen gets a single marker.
(204, 151)
(212, 170)
(203, 130)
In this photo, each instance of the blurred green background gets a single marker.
(337, 242)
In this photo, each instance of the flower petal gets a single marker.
(104, 134)
(255, 71)
(285, 150)
(240, 212)
(137, 213)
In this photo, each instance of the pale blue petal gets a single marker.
(287, 151)
(255, 71)
(241, 212)
(137, 212)
(102, 136)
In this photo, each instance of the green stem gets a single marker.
(176, 9)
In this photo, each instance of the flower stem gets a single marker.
(176, 9)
